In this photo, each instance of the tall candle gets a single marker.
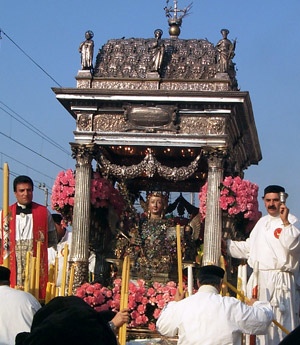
(27, 271)
(32, 275)
(55, 270)
(48, 293)
(5, 215)
(190, 280)
(64, 272)
(71, 280)
(37, 269)
(179, 259)
(51, 273)
(244, 279)
(124, 297)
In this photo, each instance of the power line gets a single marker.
(30, 58)
(27, 166)
(28, 148)
(33, 129)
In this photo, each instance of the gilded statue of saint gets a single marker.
(86, 49)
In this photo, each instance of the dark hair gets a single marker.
(57, 218)
(4, 275)
(209, 279)
(22, 179)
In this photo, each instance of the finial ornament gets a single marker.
(175, 21)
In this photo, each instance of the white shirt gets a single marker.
(207, 318)
(17, 309)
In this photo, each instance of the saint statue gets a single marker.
(159, 51)
(86, 49)
(226, 52)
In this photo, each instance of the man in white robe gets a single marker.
(17, 309)
(207, 318)
(275, 244)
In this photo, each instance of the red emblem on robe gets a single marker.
(277, 232)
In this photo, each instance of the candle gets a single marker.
(32, 275)
(239, 283)
(51, 273)
(52, 290)
(124, 297)
(244, 279)
(37, 269)
(64, 272)
(55, 270)
(71, 280)
(5, 215)
(48, 293)
(190, 280)
(27, 270)
(179, 258)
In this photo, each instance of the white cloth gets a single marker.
(207, 318)
(17, 309)
(52, 254)
(277, 250)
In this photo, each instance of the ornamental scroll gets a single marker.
(149, 165)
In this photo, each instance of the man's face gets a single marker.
(24, 193)
(272, 203)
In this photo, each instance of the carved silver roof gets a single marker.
(192, 59)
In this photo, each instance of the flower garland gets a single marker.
(145, 301)
(237, 196)
(103, 194)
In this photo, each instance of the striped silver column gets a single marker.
(81, 214)
(213, 219)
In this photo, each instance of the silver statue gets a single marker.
(225, 52)
(159, 50)
(86, 49)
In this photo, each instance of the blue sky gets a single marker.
(267, 61)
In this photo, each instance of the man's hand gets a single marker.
(121, 317)
(179, 296)
(251, 301)
(284, 212)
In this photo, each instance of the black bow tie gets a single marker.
(26, 210)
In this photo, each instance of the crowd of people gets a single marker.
(203, 318)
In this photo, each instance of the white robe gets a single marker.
(17, 309)
(207, 318)
(277, 250)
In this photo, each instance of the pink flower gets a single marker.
(156, 313)
(152, 326)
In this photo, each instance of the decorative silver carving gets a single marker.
(84, 122)
(125, 85)
(149, 166)
(81, 273)
(202, 125)
(109, 123)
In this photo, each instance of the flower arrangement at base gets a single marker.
(145, 300)
(103, 194)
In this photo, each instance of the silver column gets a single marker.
(81, 213)
(213, 219)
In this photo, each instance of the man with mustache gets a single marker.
(274, 244)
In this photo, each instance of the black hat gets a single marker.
(211, 270)
(273, 189)
(4, 274)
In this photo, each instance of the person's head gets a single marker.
(224, 33)
(23, 188)
(272, 200)
(211, 275)
(156, 205)
(60, 228)
(158, 33)
(4, 276)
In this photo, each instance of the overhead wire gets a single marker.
(33, 129)
(28, 148)
(30, 58)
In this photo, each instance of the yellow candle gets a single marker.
(32, 275)
(124, 297)
(37, 269)
(55, 270)
(224, 290)
(64, 272)
(179, 258)
(71, 280)
(48, 293)
(57, 291)
(53, 286)
(51, 273)
(5, 214)
(27, 270)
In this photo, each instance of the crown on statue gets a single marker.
(163, 195)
